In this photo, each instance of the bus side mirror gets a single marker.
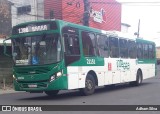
(8, 40)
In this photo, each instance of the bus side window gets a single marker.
(102, 45)
(123, 44)
(71, 44)
(89, 44)
(132, 49)
(113, 47)
(145, 51)
(71, 40)
(151, 51)
(139, 51)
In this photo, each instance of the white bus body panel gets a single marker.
(106, 76)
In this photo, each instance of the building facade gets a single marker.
(27, 10)
(103, 14)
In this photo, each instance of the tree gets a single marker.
(5, 18)
(4, 9)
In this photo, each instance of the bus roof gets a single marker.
(108, 33)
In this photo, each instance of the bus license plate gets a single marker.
(32, 86)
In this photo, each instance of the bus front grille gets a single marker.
(26, 71)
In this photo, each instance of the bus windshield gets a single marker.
(37, 50)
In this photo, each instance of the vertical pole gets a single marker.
(138, 28)
(36, 9)
(4, 83)
(86, 13)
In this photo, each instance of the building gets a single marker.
(103, 14)
(27, 10)
(125, 27)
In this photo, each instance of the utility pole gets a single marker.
(138, 31)
(86, 13)
(138, 28)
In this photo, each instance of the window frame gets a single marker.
(115, 46)
(86, 50)
(132, 49)
(99, 49)
(123, 49)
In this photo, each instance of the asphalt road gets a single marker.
(146, 94)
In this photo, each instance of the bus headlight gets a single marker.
(52, 78)
(58, 74)
(14, 77)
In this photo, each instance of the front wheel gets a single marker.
(89, 86)
(52, 93)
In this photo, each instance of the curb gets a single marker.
(7, 91)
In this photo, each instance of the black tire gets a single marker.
(52, 93)
(139, 79)
(89, 86)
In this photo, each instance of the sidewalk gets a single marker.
(7, 89)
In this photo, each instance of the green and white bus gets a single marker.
(53, 55)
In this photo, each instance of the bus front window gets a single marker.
(37, 50)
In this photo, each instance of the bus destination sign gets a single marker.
(32, 29)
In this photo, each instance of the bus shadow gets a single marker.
(76, 94)
(60, 96)
(119, 87)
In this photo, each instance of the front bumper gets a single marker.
(58, 84)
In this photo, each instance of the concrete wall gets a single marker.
(5, 67)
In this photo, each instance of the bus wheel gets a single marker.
(139, 79)
(52, 93)
(89, 86)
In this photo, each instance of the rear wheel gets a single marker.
(52, 93)
(139, 79)
(89, 86)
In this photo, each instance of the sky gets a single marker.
(148, 11)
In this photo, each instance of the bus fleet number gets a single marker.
(91, 61)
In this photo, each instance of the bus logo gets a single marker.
(123, 65)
